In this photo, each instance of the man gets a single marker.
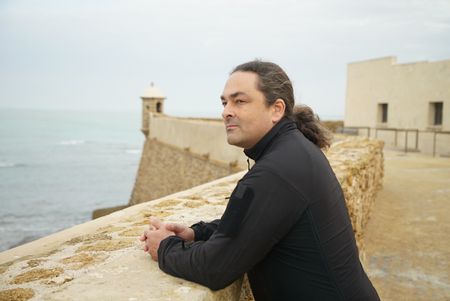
(286, 223)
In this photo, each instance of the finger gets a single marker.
(177, 228)
(155, 222)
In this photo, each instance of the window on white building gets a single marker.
(382, 112)
(436, 109)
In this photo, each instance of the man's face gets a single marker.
(246, 115)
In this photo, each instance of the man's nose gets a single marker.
(227, 111)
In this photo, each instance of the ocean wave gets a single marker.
(9, 164)
(133, 151)
(72, 142)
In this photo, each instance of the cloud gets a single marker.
(102, 54)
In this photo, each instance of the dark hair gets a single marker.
(274, 84)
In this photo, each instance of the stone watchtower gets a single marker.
(152, 103)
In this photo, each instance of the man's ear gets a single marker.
(278, 109)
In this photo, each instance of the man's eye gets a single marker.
(224, 103)
(239, 101)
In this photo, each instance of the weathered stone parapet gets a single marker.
(103, 259)
(359, 166)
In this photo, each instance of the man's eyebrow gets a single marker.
(233, 95)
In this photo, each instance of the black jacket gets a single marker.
(286, 225)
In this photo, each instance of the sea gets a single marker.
(57, 167)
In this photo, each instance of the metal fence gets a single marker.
(354, 130)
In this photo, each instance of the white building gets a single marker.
(403, 104)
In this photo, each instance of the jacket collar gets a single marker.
(284, 125)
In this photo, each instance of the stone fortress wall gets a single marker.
(180, 153)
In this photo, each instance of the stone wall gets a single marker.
(165, 169)
(359, 166)
(102, 259)
(180, 153)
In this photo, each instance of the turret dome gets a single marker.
(153, 92)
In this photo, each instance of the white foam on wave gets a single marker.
(9, 164)
(72, 142)
(133, 151)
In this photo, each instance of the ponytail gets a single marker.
(309, 124)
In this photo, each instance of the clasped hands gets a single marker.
(158, 231)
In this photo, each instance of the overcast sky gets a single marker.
(101, 55)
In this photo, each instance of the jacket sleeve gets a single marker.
(261, 211)
(203, 231)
